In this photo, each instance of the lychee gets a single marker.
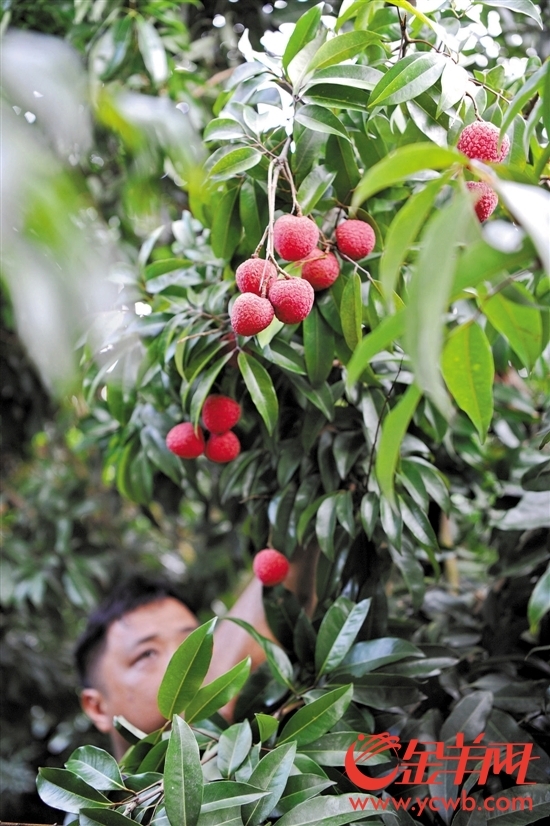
(354, 238)
(250, 314)
(223, 447)
(479, 140)
(292, 299)
(255, 275)
(486, 200)
(220, 413)
(321, 269)
(186, 441)
(295, 237)
(270, 566)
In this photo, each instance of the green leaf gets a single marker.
(390, 328)
(271, 775)
(521, 324)
(412, 572)
(418, 523)
(102, 817)
(369, 513)
(539, 601)
(407, 79)
(383, 691)
(301, 787)
(251, 213)
(233, 746)
(186, 671)
(531, 86)
(394, 428)
(368, 656)
(318, 347)
(469, 370)
(206, 381)
(226, 226)
(320, 397)
(308, 514)
(358, 76)
(320, 119)
(61, 789)
(279, 663)
(391, 521)
(217, 693)
(351, 311)
(429, 293)
(235, 162)
(315, 719)
(227, 793)
(530, 205)
(267, 726)
(152, 50)
(325, 524)
(537, 806)
(326, 810)
(313, 187)
(454, 80)
(339, 49)
(481, 262)
(402, 163)
(183, 784)
(122, 37)
(337, 633)
(283, 355)
(403, 231)
(468, 716)
(304, 31)
(223, 129)
(341, 160)
(96, 767)
(519, 6)
(259, 385)
(537, 478)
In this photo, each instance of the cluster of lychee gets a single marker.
(219, 415)
(295, 237)
(480, 141)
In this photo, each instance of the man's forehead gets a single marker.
(155, 619)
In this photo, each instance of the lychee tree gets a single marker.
(363, 269)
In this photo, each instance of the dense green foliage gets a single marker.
(402, 428)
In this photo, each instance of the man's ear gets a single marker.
(95, 706)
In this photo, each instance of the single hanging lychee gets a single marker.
(220, 413)
(255, 275)
(185, 441)
(270, 566)
(354, 238)
(479, 141)
(250, 314)
(223, 447)
(321, 269)
(295, 237)
(292, 299)
(486, 201)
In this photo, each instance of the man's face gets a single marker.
(137, 652)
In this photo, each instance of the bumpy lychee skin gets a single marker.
(223, 447)
(220, 413)
(250, 314)
(271, 567)
(479, 141)
(486, 201)
(354, 238)
(321, 269)
(185, 441)
(254, 275)
(292, 299)
(295, 237)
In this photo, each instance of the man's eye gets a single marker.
(145, 655)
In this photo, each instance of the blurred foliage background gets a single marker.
(67, 532)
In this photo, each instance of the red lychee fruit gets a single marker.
(292, 299)
(479, 140)
(486, 200)
(250, 314)
(354, 238)
(270, 566)
(186, 441)
(254, 275)
(321, 269)
(223, 447)
(220, 413)
(295, 237)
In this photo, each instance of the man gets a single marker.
(129, 640)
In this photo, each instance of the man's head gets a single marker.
(124, 651)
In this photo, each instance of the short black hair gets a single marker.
(130, 594)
